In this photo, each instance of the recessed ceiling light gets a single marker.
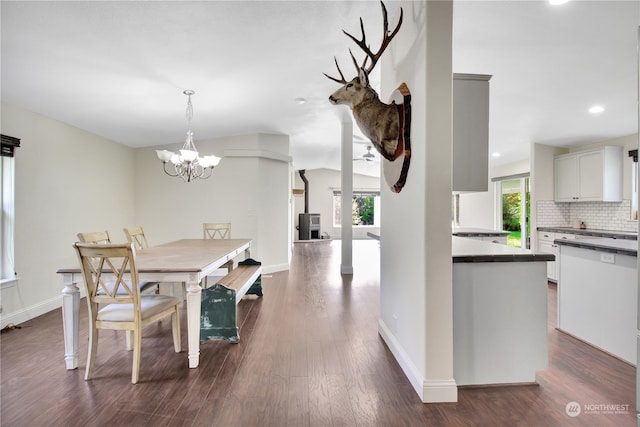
(496, 154)
(557, 2)
(596, 109)
(300, 101)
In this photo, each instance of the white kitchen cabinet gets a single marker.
(470, 152)
(499, 313)
(597, 296)
(589, 176)
(546, 244)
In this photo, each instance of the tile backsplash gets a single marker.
(597, 215)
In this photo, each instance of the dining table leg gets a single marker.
(194, 292)
(70, 320)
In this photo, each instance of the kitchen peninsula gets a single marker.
(598, 293)
(499, 312)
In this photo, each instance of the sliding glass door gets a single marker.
(513, 209)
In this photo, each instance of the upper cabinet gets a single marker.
(470, 153)
(589, 176)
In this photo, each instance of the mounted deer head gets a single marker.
(377, 120)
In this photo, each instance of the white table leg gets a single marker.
(70, 319)
(193, 320)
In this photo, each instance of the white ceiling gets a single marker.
(118, 69)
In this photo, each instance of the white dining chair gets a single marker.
(218, 230)
(114, 300)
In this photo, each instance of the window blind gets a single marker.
(8, 145)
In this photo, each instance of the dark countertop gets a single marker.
(473, 232)
(470, 250)
(592, 232)
(616, 246)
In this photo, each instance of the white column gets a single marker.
(416, 304)
(346, 267)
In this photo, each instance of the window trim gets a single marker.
(8, 277)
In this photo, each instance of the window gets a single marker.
(7, 172)
(365, 209)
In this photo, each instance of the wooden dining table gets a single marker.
(186, 260)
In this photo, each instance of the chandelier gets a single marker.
(188, 165)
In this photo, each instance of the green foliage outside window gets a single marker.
(511, 211)
(362, 210)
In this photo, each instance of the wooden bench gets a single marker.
(218, 310)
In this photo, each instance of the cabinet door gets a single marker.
(565, 179)
(470, 151)
(590, 175)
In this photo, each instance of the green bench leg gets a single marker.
(256, 288)
(218, 314)
(218, 309)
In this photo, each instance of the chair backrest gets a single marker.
(95, 237)
(217, 230)
(136, 236)
(110, 273)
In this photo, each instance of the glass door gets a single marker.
(514, 209)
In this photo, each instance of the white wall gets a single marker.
(322, 183)
(478, 209)
(416, 272)
(249, 188)
(541, 180)
(67, 181)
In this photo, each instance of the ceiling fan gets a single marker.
(368, 156)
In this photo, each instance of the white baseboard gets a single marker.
(275, 268)
(439, 391)
(346, 269)
(428, 391)
(30, 312)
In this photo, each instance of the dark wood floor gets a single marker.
(309, 355)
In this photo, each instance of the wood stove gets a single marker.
(308, 226)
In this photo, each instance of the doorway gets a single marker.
(513, 209)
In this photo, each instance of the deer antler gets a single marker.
(342, 80)
(387, 37)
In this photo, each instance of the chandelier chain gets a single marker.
(189, 110)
